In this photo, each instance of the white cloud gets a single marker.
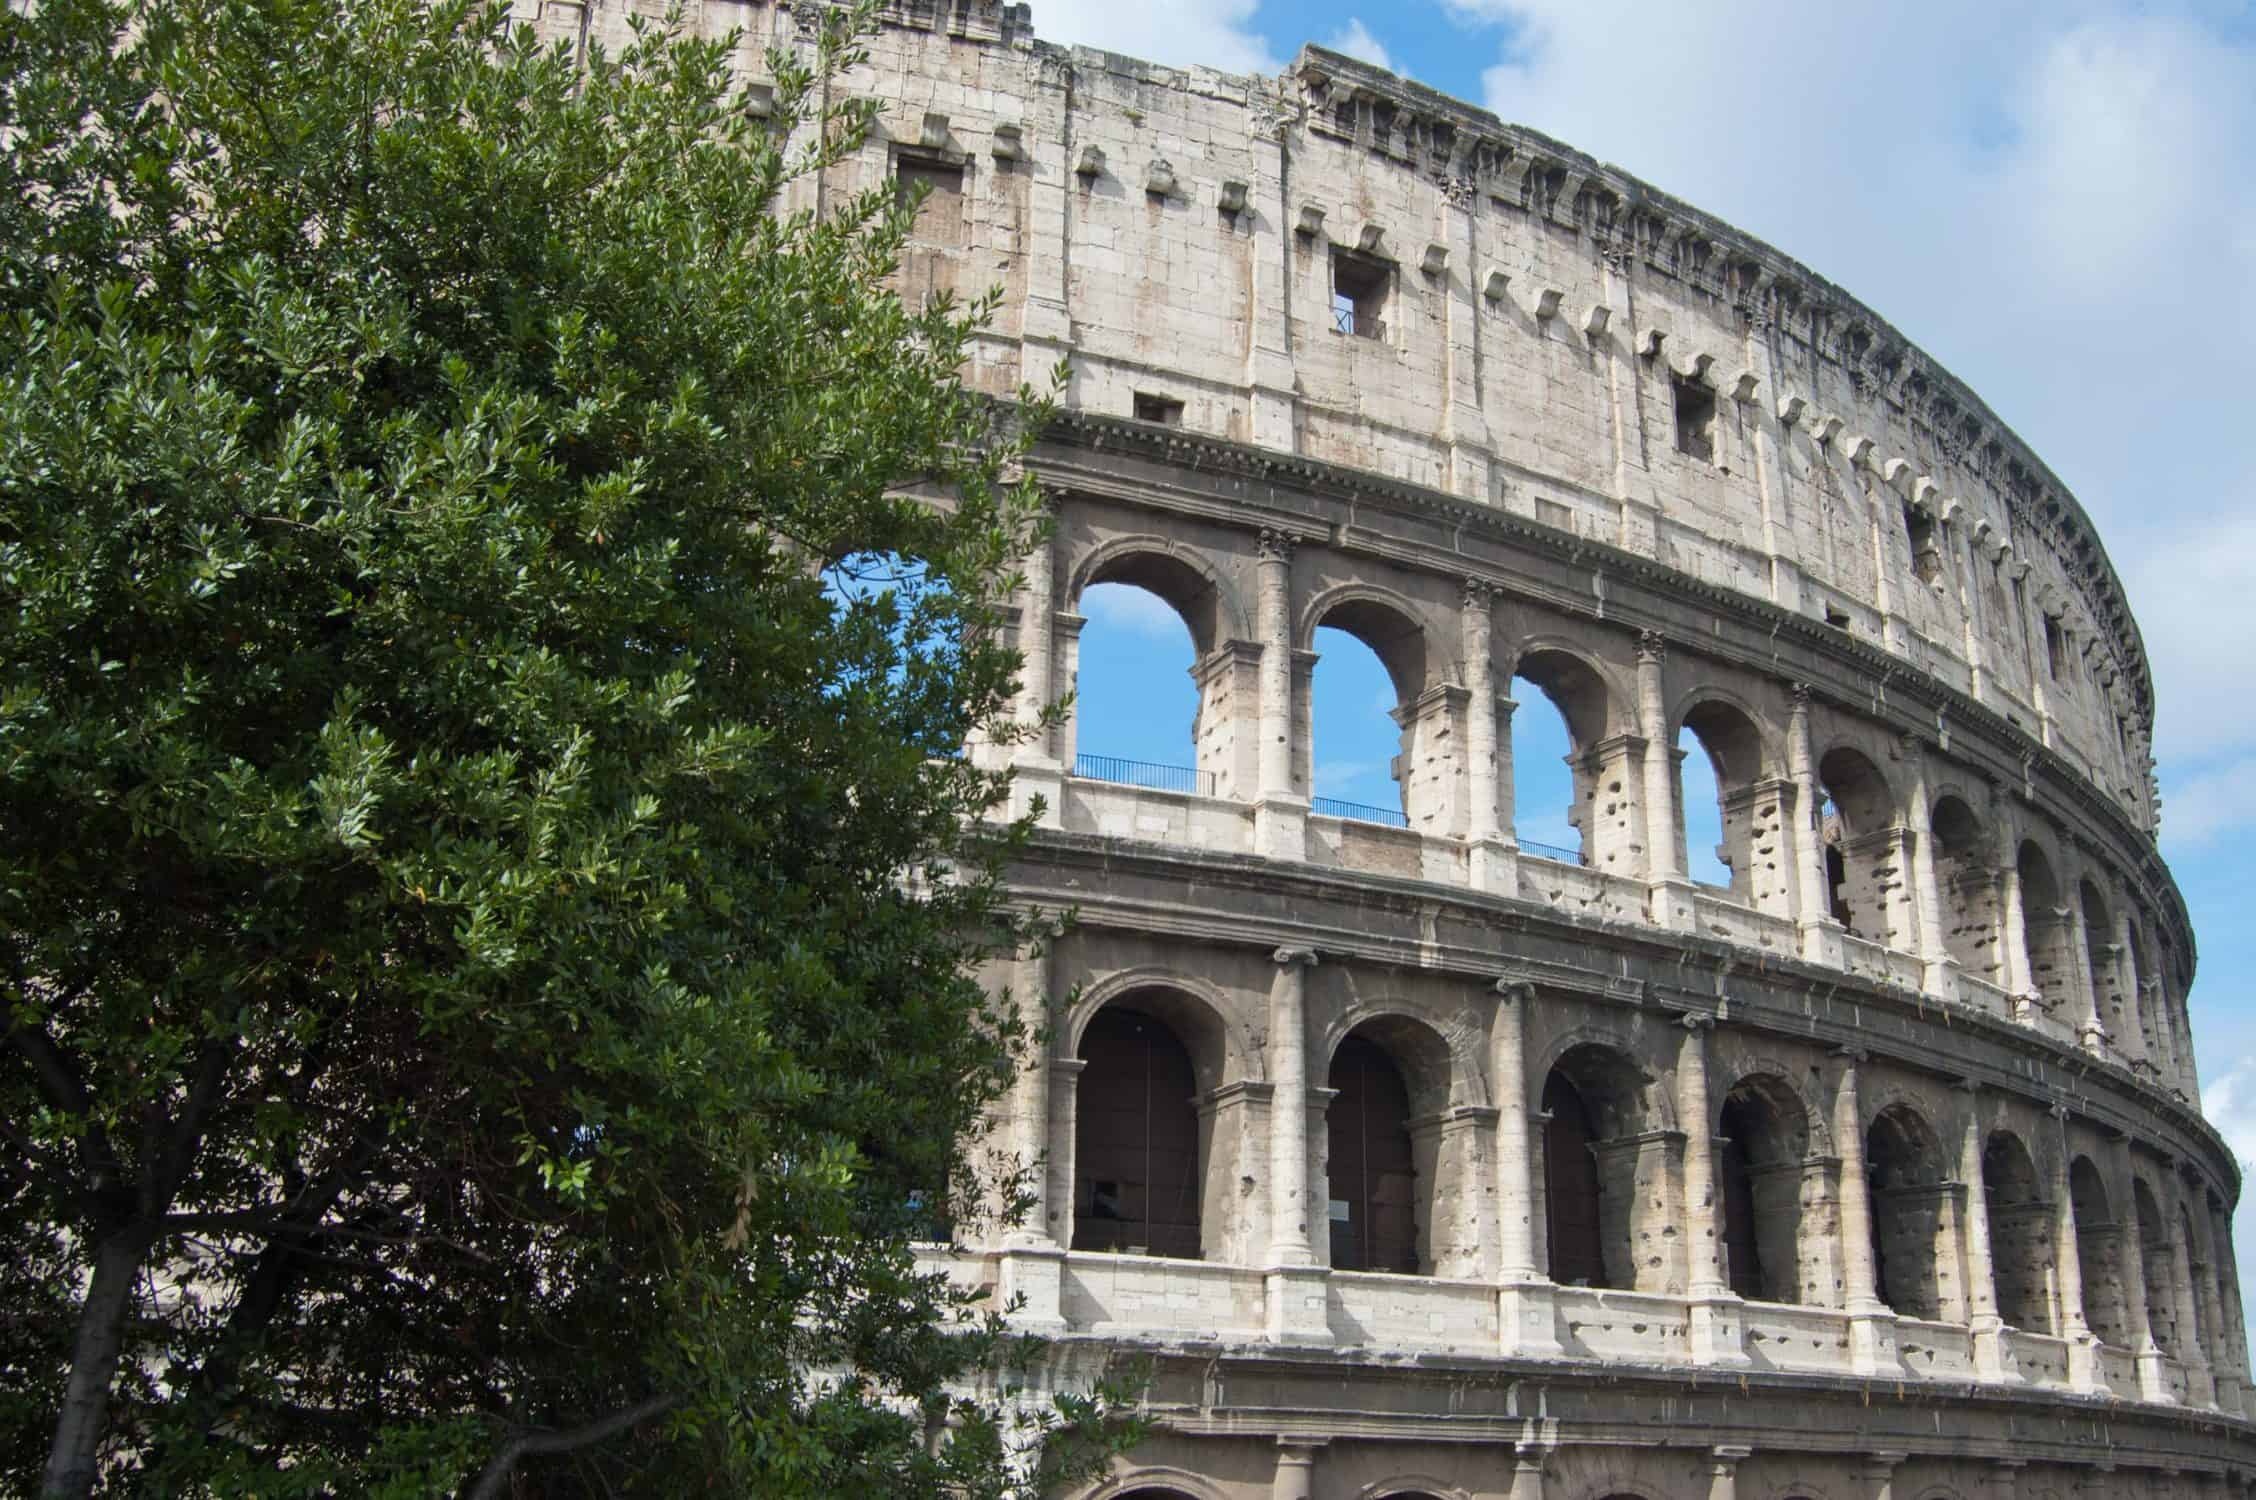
(1336, 778)
(1218, 33)
(1356, 41)
(2229, 1103)
(2207, 805)
(1138, 611)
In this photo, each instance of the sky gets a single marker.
(2055, 198)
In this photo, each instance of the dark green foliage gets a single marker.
(486, 914)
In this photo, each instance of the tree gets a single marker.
(487, 877)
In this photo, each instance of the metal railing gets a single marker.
(1361, 812)
(1144, 773)
(1552, 852)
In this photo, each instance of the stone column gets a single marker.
(2017, 971)
(2091, 1025)
(2224, 1363)
(1671, 896)
(2005, 1478)
(1527, 1471)
(1296, 1468)
(1269, 353)
(1490, 851)
(1872, 1324)
(1877, 1475)
(1821, 935)
(1723, 1471)
(1464, 425)
(2132, 1043)
(1941, 979)
(2154, 1384)
(1718, 1336)
(1993, 1351)
(2201, 1388)
(1033, 1264)
(1296, 1294)
(2084, 1372)
(1280, 817)
(1524, 1307)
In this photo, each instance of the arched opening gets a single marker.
(2044, 924)
(1370, 1167)
(2151, 1042)
(1967, 884)
(1375, 735)
(2099, 961)
(1864, 849)
(1153, 1492)
(1137, 1183)
(1763, 1161)
(2099, 1252)
(2157, 1267)
(1903, 1164)
(1732, 826)
(1142, 615)
(2021, 1248)
(1571, 785)
(1596, 1147)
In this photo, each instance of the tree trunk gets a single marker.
(94, 1357)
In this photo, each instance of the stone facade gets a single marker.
(1486, 1170)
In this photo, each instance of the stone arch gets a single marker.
(2194, 1246)
(1211, 1016)
(1862, 838)
(1412, 1487)
(1386, 620)
(2020, 1221)
(2152, 1041)
(2044, 923)
(2157, 1265)
(2100, 1252)
(1589, 707)
(1427, 717)
(1763, 1161)
(1449, 1057)
(1576, 684)
(1608, 1218)
(1184, 576)
(1904, 1167)
(1391, 1079)
(1221, 749)
(1750, 810)
(1966, 883)
(1156, 1482)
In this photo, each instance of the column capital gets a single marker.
(1695, 1021)
(1652, 647)
(1476, 593)
(1511, 988)
(1798, 697)
(1968, 1086)
(1850, 1053)
(1275, 545)
(1289, 956)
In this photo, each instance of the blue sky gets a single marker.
(2056, 198)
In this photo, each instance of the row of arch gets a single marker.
(1932, 868)
(1152, 1062)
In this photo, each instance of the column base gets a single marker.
(1719, 1334)
(2231, 1397)
(1280, 828)
(1299, 1304)
(2093, 1038)
(1032, 1273)
(1669, 904)
(1822, 945)
(1994, 1363)
(2201, 1388)
(1872, 1341)
(2154, 1378)
(1940, 979)
(1043, 778)
(1527, 1320)
(1493, 865)
(2085, 1373)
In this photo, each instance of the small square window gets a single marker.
(1359, 294)
(940, 217)
(1926, 551)
(1695, 420)
(1160, 409)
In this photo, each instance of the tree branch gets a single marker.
(546, 1442)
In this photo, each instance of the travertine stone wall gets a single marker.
(1568, 433)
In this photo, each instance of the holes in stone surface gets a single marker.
(1360, 284)
(1161, 409)
(1695, 420)
(1837, 618)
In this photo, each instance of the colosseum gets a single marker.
(1410, 1159)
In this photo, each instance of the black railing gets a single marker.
(1144, 773)
(1361, 812)
(1553, 852)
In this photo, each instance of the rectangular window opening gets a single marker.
(940, 217)
(2056, 649)
(1695, 420)
(1359, 294)
(1160, 409)
(1926, 551)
